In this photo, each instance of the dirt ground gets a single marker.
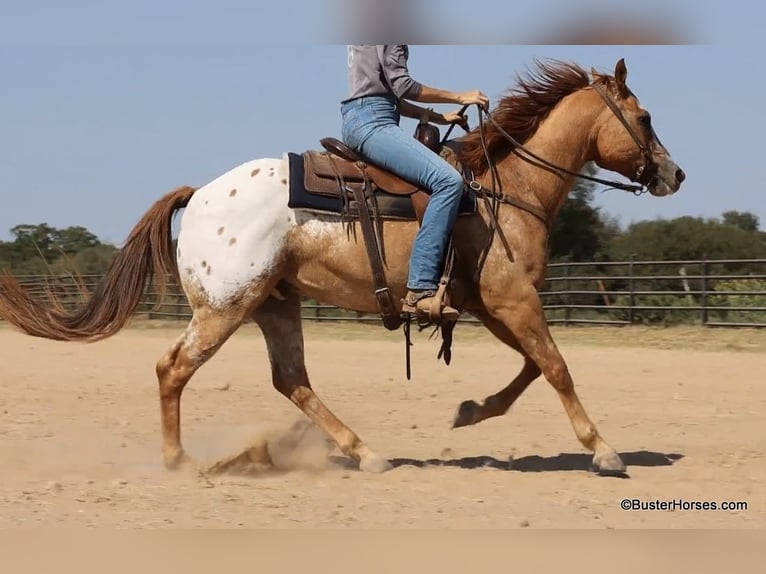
(80, 438)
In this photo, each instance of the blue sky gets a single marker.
(104, 107)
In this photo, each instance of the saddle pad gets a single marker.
(320, 176)
(394, 207)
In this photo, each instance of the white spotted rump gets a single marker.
(233, 229)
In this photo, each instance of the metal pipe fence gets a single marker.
(714, 293)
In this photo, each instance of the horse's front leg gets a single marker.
(522, 314)
(471, 412)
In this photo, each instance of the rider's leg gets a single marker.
(372, 127)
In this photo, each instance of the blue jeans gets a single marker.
(371, 127)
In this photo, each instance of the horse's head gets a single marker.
(625, 139)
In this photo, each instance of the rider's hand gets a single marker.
(473, 97)
(456, 118)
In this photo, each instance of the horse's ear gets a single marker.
(621, 76)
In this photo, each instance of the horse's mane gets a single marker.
(522, 109)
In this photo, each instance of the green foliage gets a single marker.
(743, 220)
(742, 293)
(686, 238)
(647, 310)
(581, 233)
(41, 249)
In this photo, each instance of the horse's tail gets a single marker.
(147, 252)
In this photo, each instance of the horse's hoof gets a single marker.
(176, 460)
(375, 464)
(467, 414)
(608, 462)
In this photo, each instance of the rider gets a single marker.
(380, 85)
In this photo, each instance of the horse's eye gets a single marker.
(646, 120)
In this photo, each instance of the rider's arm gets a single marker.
(429, 95)
(393, 60)
(394, 64)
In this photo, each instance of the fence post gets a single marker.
(568, 296)
(703, 298)
(631, 300)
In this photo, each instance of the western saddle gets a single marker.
(339, 171)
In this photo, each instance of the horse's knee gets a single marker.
(166, 362)
(173, 370)
(286, 379)
(557, 374)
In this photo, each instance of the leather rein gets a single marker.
(645, 174)
(638, 188)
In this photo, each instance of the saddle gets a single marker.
(340, 172)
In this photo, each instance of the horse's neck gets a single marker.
(564, 140)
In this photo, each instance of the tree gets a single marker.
(40, 249)
(75, 239)
(687, 238)
(31, 241)
(681, 239)
(744, 220)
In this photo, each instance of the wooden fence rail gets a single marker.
(729, 292)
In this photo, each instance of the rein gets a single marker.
(543, 163)
(493, 198)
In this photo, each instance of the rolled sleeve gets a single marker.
(394, 62)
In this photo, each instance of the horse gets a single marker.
(244, 254)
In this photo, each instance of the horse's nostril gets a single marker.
(680, 175)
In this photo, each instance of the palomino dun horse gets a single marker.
(244, 253)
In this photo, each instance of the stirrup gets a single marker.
(429, 308)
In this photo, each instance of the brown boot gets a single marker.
(425, 305)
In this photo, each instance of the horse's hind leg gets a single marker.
(205, 334)
(280, 322)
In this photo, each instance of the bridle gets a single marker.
(647, 171)
(645, 174)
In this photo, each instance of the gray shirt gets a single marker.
(380, 70)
